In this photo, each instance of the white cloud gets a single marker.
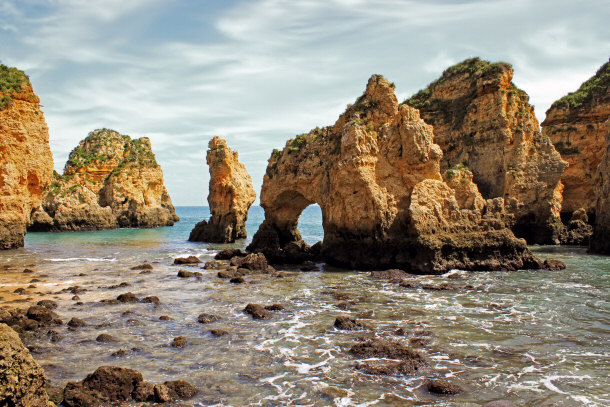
(259, 72)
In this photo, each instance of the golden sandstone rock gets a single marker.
(109, 181)
(26, 163)
(484, 122)
(376, 176)
(230, 196)
(576, 124)
(600, 242)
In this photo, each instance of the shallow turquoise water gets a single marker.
(536, 338)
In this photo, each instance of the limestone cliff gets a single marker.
(483, 121)
(376, 176)
(576, 126)
(22, 380)
(600, 242)
(26, 163)
(230, 196)
(109, 181)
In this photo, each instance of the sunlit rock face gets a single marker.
(26, 163)
(109, 181)
(230, 196)
(484, 122)
(376, 176)
(576, 124)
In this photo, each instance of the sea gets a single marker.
(536, 338)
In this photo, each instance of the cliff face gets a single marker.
(376, 176)
(109, 181)
(484, 122)
(576, 126)
(26, 163)
(600, 242)
(231, 195)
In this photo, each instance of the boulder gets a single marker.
(230, 196)
(257, 311)
(22, 380)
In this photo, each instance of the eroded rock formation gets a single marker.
(26, 163)
(376, 176)
(22, 380)
(231, 195)
(483, 121)
(109, 181)
(576, 126)
(600, 242)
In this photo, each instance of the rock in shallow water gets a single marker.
(187, 260)
(443, 387)
(257, 311)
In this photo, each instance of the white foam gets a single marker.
(92, 259)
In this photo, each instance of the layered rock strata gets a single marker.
(600, 241)
(376, 176)
(576, 126)
(109, 181)
(230, 197)
(22, 380)
(484, 122)
(26, 163)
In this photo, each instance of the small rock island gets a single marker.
(109, 181)
(230, 196)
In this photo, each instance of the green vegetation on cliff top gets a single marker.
(597, 85)
(97, 148)
(474, 67)
(11, 80)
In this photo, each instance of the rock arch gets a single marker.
(376, 176)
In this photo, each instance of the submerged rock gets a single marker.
(389, 367)
(109, 181)
(257, 311)
(110, 385)
(482, 121)
(22, 380)
(187, 260)
(207, 318)
(347, 324)
(376, 176)
(443, 387)
(576, 124)
(231, 195)
(26, 163)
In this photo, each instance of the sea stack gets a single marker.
(230, 196)
(26, 162)
(576, 124)
(109, 181)
(376, 176)
(600, 242)
(484, 122)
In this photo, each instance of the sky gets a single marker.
(259, 72)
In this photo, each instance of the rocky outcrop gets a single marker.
(26, 163)
(484, 122)
(231, 195)
(109, 181)
(22, 381)
(376, 176)
(576, 126)
(600, 241)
